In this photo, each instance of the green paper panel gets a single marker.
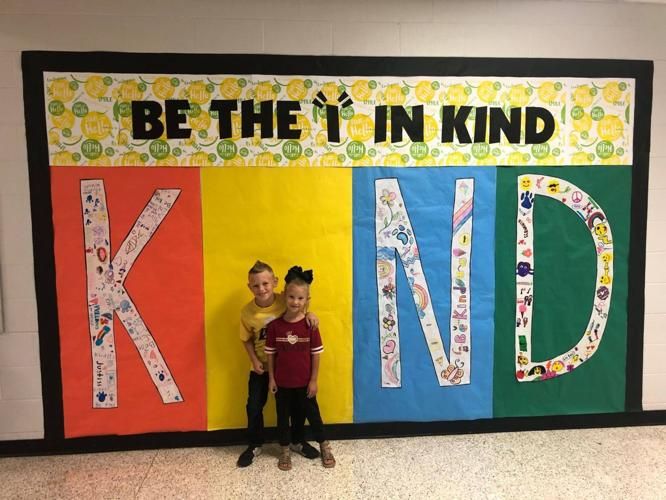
(564, 288)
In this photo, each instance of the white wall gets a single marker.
(596, 29)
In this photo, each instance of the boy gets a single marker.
(265, 307)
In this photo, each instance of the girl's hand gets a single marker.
(312, 320)
(312, 389)
(272, 386)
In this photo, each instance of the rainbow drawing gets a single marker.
(420, 296)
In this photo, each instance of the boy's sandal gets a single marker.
(327, 458)
(284, 461)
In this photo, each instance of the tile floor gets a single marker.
(615, 463)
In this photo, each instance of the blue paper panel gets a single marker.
(428, 195)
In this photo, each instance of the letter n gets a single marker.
(395, 235)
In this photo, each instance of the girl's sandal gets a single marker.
(327, 458)
(284, 461)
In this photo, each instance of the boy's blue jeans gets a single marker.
(257, 395)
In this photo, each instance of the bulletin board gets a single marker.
(476, 229)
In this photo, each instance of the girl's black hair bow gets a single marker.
(297, 272)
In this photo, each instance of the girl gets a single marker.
(293, 351)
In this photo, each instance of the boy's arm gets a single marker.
(272, 386)
(270, 350)
(247, 338)
(316, 348)
(312, 320)
(257, 365)
(312, 385)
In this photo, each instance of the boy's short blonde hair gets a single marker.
(260, 267)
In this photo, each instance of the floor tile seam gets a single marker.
(145, 476)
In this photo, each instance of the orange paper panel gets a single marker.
(166, 286)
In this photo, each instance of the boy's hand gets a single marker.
(272, 386)
(258, 367)
(312, 320)
(312, 389)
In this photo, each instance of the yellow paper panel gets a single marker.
(296, 216)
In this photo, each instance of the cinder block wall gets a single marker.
(502, 28)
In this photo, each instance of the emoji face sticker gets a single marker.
(553, 186)
(525, 183)
(601, 231)
(557, 366)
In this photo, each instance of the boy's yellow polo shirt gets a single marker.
(254, 320)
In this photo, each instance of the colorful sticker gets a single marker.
(529, 187)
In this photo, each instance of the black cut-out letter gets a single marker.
(452, 120)
(285, 119)
(510, 126)
(333, 123)
(174, 118)
(224, 109)
(146, 113)
(264, 117)
(412, 125)
(480, 124)
(531, 134)
(380, 123)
